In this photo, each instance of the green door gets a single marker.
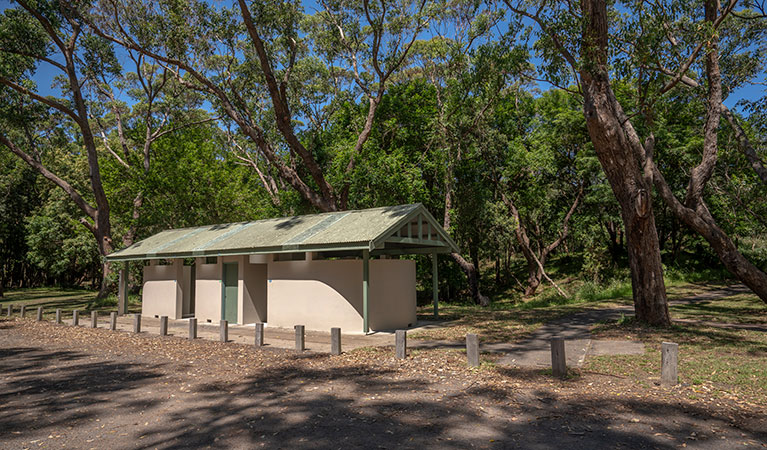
(229, 303)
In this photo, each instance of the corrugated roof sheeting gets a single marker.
(347, 230)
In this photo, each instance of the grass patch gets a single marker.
(718, 356)
(66, 299)
(509, 320)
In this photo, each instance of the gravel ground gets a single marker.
(65, 387)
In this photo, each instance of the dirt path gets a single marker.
(68, 387)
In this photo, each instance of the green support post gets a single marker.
(365, 289)
(434, 284)
(122, 291)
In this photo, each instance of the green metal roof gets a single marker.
(393, 229)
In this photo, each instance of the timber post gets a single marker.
(558, 359)
(669, 375)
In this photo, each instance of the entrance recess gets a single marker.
(229, 300)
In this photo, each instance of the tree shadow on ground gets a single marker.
(359, 407)
(44, 389)
(311, 403)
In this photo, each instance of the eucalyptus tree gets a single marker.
(720, 59)
(469, 70)
(273, 72)
(134, 110)
(53, 34)
(539, 174)
(664, 47)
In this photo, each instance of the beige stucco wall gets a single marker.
(317, 294)
(392, 294)
(207, 304)
(326, 294)
(186, 290)
(162, 293)
(254, 306)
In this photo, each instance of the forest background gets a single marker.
(546, 136)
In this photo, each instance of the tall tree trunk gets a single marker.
(535, 262)
(694, 212)
(617, 146)
(472, 275)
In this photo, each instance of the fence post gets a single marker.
(10, 310)
(472, 349)
(94, 319)
(113, 321)
(400, 344)
(163, 325)
(23, 311)
(137, 323)
(75, 318)
(669, 375)
(39, 313)
(58, 316)
(335, 341)
(558, 360)
(300, 338)
(193, 328)
(224, 334)
(259, 334)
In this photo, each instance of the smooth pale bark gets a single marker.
(617, 146)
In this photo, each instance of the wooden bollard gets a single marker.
(113, 321)
(39, 313)
(259, 334)
(10, 310)
(137, 323)
(23, 311)
(75, 318)
(163, 325)
(400, 344)
(94, 319)
(472, 349)
(224, 332)
(558, 360)
(300, 338)
(193, 328)
(58, 316)
(669, 375)
(335, 341)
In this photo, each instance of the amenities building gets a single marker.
(339, 269)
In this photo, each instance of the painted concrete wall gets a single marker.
(254, 305)
(208, 291)
(187, 291)
(326, 294)
(317, 294)
(392, 294)
(162, 294)
(251, 290)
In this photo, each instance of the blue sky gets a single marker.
(45, 72)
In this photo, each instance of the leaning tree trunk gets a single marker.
(472, 276)
(534, 276)
(617, 147)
